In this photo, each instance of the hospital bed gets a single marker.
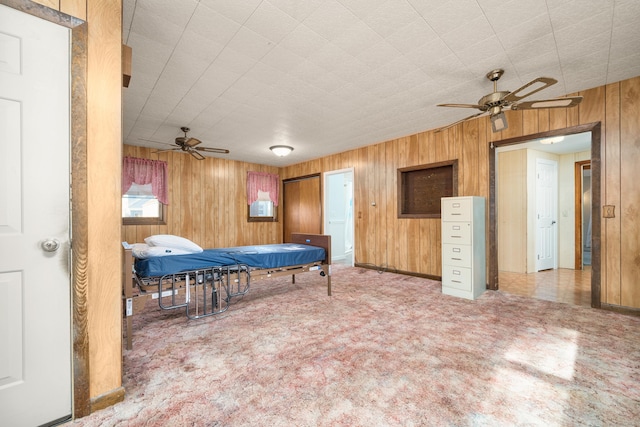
(205, 283)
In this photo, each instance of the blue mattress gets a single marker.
(261, 256)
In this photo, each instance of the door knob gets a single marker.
(50, 245)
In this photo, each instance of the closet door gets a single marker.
(302, 206)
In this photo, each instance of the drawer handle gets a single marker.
(456, 227)
(455, 213)
(457, 259)
(456, 272)
(456, 237)
(456, 281)
(457, 250)
(456, 205)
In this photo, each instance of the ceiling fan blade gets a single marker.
(165, 150)
(192, 142)
(212, 150)
(459, 121)
(196, 154)
(570, 101)
(529, 89)
(461, 105)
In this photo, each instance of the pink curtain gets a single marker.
(145, 171)
(263, 181)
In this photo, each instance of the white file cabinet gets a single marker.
(463, 247)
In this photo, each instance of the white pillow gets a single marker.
(143, 251)
(174, 242)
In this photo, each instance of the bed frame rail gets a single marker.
(323, 241)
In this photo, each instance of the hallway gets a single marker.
(560, 285)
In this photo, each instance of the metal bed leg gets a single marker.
(234, 275)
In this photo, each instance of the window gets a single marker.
(262, 209)
(262, 197)
(144, 191)
(140, 206)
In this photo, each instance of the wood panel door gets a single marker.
(302, 206)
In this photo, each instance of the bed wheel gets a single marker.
(322, 273)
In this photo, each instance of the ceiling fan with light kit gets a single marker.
(496, 102)
(189, 145)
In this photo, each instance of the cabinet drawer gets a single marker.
(456, 209)
(456, 278)
(456, 233)
(456, 255)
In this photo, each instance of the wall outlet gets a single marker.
(608, 211)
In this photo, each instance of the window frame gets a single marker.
(159, 220)
(270, 218)
(411, 181)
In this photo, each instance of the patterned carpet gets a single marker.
(384, 350)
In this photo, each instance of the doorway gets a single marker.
(594, 130)
(339, 220)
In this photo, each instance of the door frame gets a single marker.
(579, 166)
(325, 197)
(79, 202)
(596, 136)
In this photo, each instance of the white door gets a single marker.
(35, 293)
(546, 213)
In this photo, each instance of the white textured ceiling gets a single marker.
(326, 76)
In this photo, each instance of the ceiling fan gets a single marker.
(188, 144)
(497, 101)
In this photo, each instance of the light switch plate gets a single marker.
(608, 211)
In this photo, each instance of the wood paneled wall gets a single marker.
(512, 211)
(413, 245)
(104, 156)
(76, 8)
(208, 197)
(207, 202)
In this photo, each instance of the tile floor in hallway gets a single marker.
(560, 285)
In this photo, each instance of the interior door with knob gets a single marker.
(546, 214)
(35, 282)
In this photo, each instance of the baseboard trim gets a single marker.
(621, 309)
(385, 269)
(108, 399)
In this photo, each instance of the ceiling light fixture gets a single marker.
(281, 150)
(499, 122)
(553, 140)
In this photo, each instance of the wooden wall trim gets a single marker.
(107, 399)
(596, 202)
(80, 223)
